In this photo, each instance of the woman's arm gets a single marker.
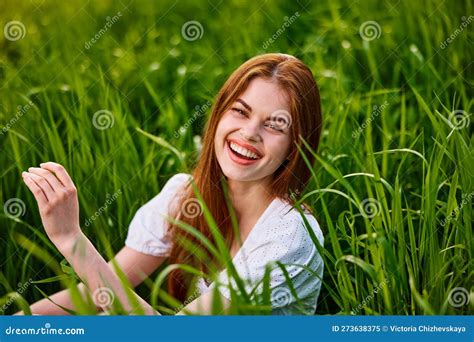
(58, 204)
(135, 265)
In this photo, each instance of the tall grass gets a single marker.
(392, 186)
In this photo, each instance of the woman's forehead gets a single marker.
(265, 96)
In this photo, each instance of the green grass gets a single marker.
(407, 160)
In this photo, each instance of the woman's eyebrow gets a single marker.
(244, 104)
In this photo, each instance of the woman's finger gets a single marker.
(35, 189)
(43, 184)
(49, 176)
(60, 172)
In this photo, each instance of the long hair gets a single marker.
(291, 177)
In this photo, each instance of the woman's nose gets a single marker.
(251, 130)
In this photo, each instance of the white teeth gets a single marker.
(243, 151)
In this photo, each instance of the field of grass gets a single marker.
(84, 83)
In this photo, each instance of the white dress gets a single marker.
(279, 235)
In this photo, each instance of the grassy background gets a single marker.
(410, 159)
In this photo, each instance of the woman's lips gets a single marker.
(235, 158)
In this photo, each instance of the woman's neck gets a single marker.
(250, 198)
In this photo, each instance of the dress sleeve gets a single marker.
(284, 239)
(147, 231)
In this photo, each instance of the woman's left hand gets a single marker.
(57, 201)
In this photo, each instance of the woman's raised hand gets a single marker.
(57, 200)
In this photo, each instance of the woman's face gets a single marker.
(253, 136)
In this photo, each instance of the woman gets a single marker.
(250, 148)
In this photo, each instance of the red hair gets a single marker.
(292, 176)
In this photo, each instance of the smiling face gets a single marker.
(253, 137)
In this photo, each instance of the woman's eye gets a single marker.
(240, 111)
(274, 127)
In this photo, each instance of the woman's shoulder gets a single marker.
(289, 219)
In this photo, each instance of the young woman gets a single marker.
(251, 142)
